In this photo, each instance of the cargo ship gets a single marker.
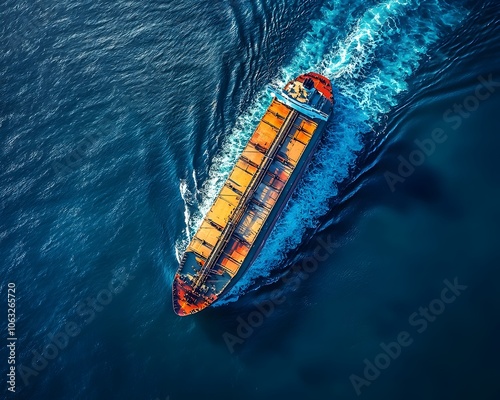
(249, 204)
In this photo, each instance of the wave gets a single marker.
(370, 59)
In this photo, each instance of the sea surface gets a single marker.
(119, 122)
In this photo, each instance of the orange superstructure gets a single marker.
(248, 205)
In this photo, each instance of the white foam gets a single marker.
(369, 66)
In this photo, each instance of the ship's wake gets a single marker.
(370, 61)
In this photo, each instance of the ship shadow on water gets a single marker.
(366, 189)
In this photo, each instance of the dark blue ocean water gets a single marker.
(119, 122)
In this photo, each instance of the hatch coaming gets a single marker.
(256, 211)
(238, 181)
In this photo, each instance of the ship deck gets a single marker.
(264, 192)
(226, 237)
(252, 188)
